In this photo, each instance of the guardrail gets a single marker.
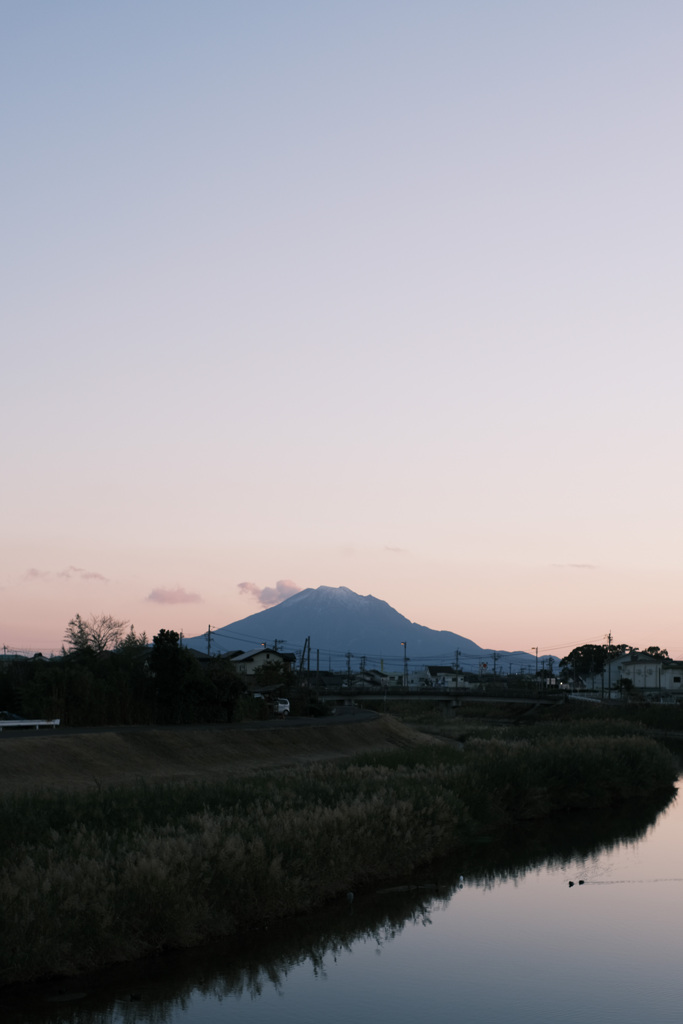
(27, 723)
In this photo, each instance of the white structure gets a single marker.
(260, 657)
(442, 675)
(644, 672)
(671, 674)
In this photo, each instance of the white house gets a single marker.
(643, 672)
(672, 675)
(260, 657)
(443, 675)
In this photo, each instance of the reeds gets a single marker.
(91, 878)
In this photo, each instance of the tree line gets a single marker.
(591, 660)
(108, 675)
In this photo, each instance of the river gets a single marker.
(510, 941)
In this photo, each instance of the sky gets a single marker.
(373, 294)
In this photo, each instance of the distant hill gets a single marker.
(340, 621)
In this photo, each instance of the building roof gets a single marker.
(250, 655)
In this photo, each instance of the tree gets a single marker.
(221, 691)
(272, 674)
(660, 653)
(95, 635)
(583, 662)
(174, 671)
(614, 650)
(132, 642)
(590, 660)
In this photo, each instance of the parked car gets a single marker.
(281, 706)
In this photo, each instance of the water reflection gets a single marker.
(555, 842)
(158, 990)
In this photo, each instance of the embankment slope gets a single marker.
(81, 760)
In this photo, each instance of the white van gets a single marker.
(281, 706)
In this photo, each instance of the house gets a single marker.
(442, 675)
(373, 677)
(641, 671)
(261, 657)
(208, 659)
(671, 675)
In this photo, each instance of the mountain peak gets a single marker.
(342, 594)
(340, 623)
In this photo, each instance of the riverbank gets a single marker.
(112, 873)
(88, 758)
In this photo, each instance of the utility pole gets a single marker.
(457, 660)
(348, 667)
(275, 644)
(208, 642)
(495, 659)
(404, 645)
(609, 665)
(303, 655)
(659, 679)
(536, 650)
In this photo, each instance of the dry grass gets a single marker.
(81, 761)
(116, 871)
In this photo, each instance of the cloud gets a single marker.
(269, 596)
(71, 571)
(163, 595)
(37, 574)
(394, 551)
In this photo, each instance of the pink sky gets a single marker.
(376, 295)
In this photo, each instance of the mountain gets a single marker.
(340, 621)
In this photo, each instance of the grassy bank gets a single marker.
(111, 874)
(65, 760)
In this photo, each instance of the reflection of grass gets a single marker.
(263, 957)
(109, 875)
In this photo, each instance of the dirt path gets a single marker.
(79, 759)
